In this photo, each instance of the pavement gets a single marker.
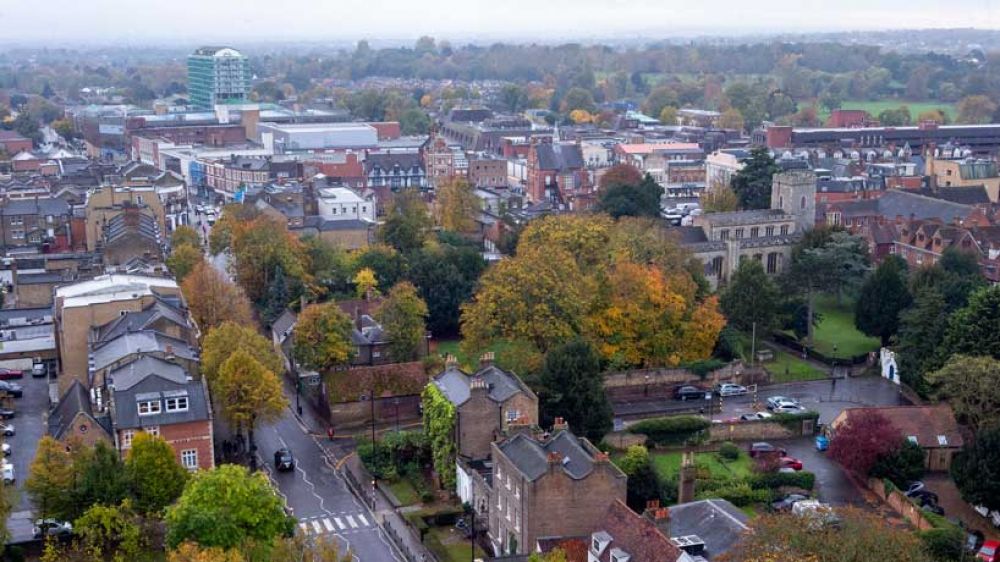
(29, 426)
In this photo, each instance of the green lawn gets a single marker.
(667, 465)
(916, 107)
(789, 368)
(836, 328)
(404, 491)
(454, 347)
(449, 545)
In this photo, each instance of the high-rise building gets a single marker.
(217, 75)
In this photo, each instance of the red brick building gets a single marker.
(556, 171)
(12, 143)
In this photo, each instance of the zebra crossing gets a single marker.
(341, 523)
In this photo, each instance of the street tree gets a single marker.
(228, 338)
(154, 476)
(971, 384)
(976, 469)
(212, 299)
(571, 386)
(262, 247)
(884, 295)
(276, 301)
(248, 393)
(322, 337)
(752, 184)
(225, 507)
(183, 259)
(865, 437)
(458, 206)
(751, 299)
(407, 222)
(185, 235)
(50, 480)
(403, 315)
(446, 277)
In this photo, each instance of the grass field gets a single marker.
(450, 546)
(404, 492)
(790, 368)
(916, 107)
(836, 329)
(667, 465)
(454, 347)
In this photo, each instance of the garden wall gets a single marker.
(900, 504)
(646, 384)
(359, 413)
(758, 430)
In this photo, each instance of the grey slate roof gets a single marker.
(40, 206)
(141, 320)
(386, 161)
(157, 386)
(131, 374)
(746, 217)
(371, 332)
(73, 402)
(39, 315)
(559, 156)
(284, 324)
(690, 234)
(906, 204)
(454, 384)
(717, 522)
(146, 341)
(972, 195)
(530, 456)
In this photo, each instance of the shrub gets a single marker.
(772, 480)
(672, 430)
(793, 422)
(704, 367)
(901, 466)
(729, 451)
(944, 543)
(401, 453)
(739, 493)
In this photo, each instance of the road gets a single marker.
(29, 428)
(828, 397)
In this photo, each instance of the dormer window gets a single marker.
(177, 404)
(149, 407)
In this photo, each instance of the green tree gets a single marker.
(972, 387)
(902, 466)
(973, 330)
(572, 387)
(446, 277)
(639, 200)
(403, 315)
(921, 331)
(185, 235)
(752, 184)
(976, 470)
(976, 109)
(101, 477)
(110, 532)
(388, 265)
(228, 338)
(668, 115)
(884, 295)
(50, 481)
(643, 482)
(330, 265)
(660, 97)
(248, 393)
(439, 426)
(407, 222)
(322, 337)
(577, 98)
(155, 477)
(458, 206)
(751, 298)
(414, 121)
(182, 260)
(277, 297)
(225, 507)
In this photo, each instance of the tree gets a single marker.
(388, 265)
(322, 337)
(185, 235)
(228, 338)
(572, 387)
(248, 393)
(262, 247)
(414, 121)
(439, 426)
(862, 439)
(921, 331)
(365, 283)
(513, 97)
(720, 199)
(935, 115)
(446, 277)
(110, 532)
(668, 115)
(643, 199)
(643, 482)
(752, 184)
(580, 116)
(620, 174)
(972, 387)
(457, 205)
(182, 261)
(976, 470)
(101, 477)
(50, 481)
(212, 299)
(902, 466)
(973, 330)
(751, 299)
(577, 98)
(731, 119)
(329, 265)
(884, 295)
(277, 298)
(660, 97)
(155, 477)
(225, 507)
(191, 552)
(860, 536)
(976, 109)
(403, 315)
(407, 222)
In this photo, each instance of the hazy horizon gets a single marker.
(66, 22)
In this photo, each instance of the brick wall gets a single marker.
(900, 504)
(192, 435)
(477, 424)
(756, 431)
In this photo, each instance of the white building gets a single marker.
(284, 137)
(341, 203)
(722, 165)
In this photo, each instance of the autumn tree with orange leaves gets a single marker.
(213, 299)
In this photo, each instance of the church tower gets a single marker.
(794, 192)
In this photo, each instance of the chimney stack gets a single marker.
(450, 362)
(658, 516)
(559, 424)
(486, 360)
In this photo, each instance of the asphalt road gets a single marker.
(29, 428)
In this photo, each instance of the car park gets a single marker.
(729, 389)
(51, 528)
(780, 401)
(689, 393)
(12, 388)
(762, 448)
(988, 552)
(283, 459)
(10, 373)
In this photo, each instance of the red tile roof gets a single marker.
(926, 423)
(636, 535)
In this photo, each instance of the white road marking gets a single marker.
(304, 527)
(317, 526)
(364, 521)
(327, 524)
(350, 521)
(339, 523)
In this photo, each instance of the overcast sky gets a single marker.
(214, 21)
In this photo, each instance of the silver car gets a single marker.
(729, 389)
(779, 401)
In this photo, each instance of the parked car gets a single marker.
(786, 503)
(199, 209)
(729, 389)
(924, 497)
(762, 448)
(7, 470)
(12, 388)
(914, 487)
(6, 449)
(686, 393)
(7, 429)
(790, 462)
(779, 401)
(789, 409)
(10, 373)
(51, 528)
(38, 369)
(988, 552)
(974, 540)
(7, 413)
(283, 459)
(756, 416)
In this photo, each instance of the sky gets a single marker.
(61, 22)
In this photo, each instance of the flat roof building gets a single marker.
(217, 75)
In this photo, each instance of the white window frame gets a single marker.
(127, 436)
(150, 410)
(153, 430)
(177, 404)
(189, 459)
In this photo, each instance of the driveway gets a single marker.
(832, 484)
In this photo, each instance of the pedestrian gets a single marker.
(330, 432)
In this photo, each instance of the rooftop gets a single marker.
(928, 426)
(532, 456)
(455, 384)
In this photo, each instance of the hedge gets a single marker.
(793, 422)
(738, 493)
(704, 367)
(771, 480)
(673, 430)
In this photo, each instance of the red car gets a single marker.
(790, 462)
(988, 553)
(6, 374)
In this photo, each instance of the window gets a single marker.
(802, 204)
(153, 430)
(149, 407)
(784, 229)
(189, 459)
(364, 208)
(769, 231)
(512, 416)
(724, 235)
(739, 233)
(127, 438)
(772, 262)
(177, 404)
(754, 232)
(16, 220)
(17, 234)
